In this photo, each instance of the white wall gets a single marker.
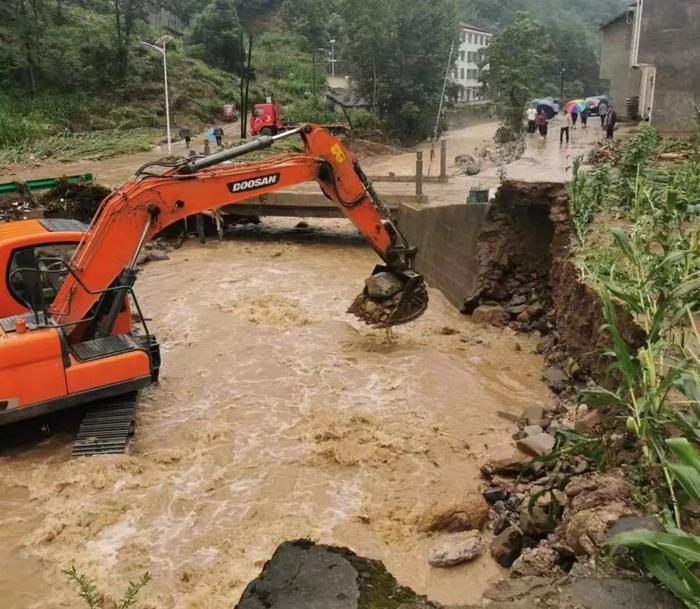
(466, 71)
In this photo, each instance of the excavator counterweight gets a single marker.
(82, 345)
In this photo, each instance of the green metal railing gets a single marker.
(9, 188)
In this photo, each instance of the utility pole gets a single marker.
(444, 86)
(561, 92)
(332, 41)
(313, 59)
(160, 47)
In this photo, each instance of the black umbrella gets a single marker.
(544, 105)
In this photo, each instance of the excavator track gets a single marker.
(106, 427)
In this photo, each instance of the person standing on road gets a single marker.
(584, 118)
(574, 117)
(218, 134)
(611, 122)
(542, 124)
(531, 120)
(602, 112)
(186, 134)
(565, 127)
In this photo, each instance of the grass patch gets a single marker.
(88, 145)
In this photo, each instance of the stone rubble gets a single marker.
(451, 550)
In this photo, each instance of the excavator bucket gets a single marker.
(391, 298)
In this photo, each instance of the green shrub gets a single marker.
(364, 124)
(306, 111)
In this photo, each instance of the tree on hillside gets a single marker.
(398, 51)
(518, 61)
(575, 54)
(215, 34)
(29, 20)
(127, 13)
(309, 18)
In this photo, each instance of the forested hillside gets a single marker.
(70, 66)
(572, 25)
(588, 13)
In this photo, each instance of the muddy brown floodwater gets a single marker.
(278, 416)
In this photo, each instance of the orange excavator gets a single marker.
(83, 347)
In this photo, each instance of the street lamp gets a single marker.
(561, 93)
(332, 41)
(159, 46)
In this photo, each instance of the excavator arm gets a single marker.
(103, 269)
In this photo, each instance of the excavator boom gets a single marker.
(82, 348)
(143, 207)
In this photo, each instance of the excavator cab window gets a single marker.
(46, 264)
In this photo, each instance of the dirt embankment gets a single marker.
(528, 279)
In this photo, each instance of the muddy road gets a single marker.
(278, 416)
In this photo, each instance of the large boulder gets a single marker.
(468, 513)
(303, 575)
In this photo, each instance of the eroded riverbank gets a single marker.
(277, 417)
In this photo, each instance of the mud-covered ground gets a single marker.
(278, 416)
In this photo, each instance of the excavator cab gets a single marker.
(26, 247)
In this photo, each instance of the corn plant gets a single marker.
(673, 556)
(651, 272)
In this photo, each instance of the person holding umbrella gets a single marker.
(531, 119)
(610, 122)
(584, 118)
(542, 125)
(565, 127)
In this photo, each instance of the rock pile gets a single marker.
(467, 164)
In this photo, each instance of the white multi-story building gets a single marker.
(473, 41)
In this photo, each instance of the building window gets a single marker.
(461, 55)
(454, 73)
(462, 37)
(461, 73)
(470, 38)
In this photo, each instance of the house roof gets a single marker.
(614, 20)
(476, 28)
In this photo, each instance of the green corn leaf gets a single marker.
(685, 547)
(623, 243)
(686, 453)
(688, 477)
(624, 361)
(628, 299)
(663, 569)
(686, 288)
(600, 398)
(674, 257)
(689, 387)
(690, 579)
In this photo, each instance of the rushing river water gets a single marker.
(278, 416)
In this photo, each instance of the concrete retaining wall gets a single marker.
(446, 237)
